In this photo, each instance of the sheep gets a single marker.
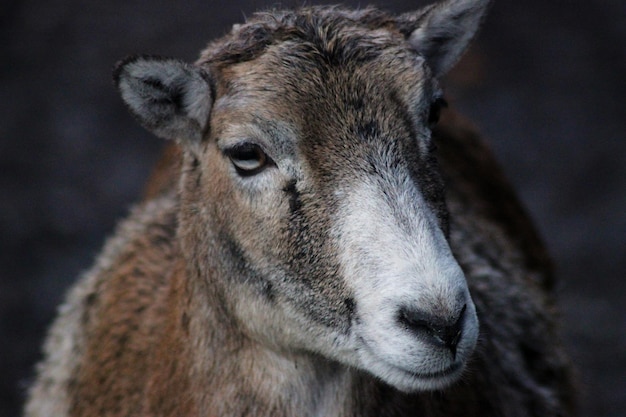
(313, 244)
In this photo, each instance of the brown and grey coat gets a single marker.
(297, 252)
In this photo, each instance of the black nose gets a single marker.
(445, 332)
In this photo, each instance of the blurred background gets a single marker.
(545, 82)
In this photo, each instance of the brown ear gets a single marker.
(441, 32)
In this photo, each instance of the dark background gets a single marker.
(545, 82)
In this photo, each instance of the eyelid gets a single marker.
(244, 145)
(236, 134)
(228, 146)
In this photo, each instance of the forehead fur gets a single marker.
(346, 78)
(332, 33)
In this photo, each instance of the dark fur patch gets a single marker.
(184, 322)
(368, 130)
(90, 303)
(295, 204)
(195, 164)
(91, 299)
(350, 306)
(267, 290)
(171, 96)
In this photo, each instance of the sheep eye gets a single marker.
(435, 110)
(248, 159)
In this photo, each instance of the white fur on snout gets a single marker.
(395, 256)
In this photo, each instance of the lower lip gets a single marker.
(435, 375)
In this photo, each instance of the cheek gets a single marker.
(307, 258)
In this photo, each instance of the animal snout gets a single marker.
(439, 331)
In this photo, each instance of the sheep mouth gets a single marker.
(427, 381)
(452, 370)
(409, 379)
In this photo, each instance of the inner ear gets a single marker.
(441, 32)
(169, 97)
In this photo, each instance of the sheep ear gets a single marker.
(170, 98)
(442, 31)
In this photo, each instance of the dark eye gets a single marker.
(248, 158)
(435, 110)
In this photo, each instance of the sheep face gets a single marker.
(312, 210)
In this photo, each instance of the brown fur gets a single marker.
(150, 330)
(168, 388)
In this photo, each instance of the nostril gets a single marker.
(432, 329)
